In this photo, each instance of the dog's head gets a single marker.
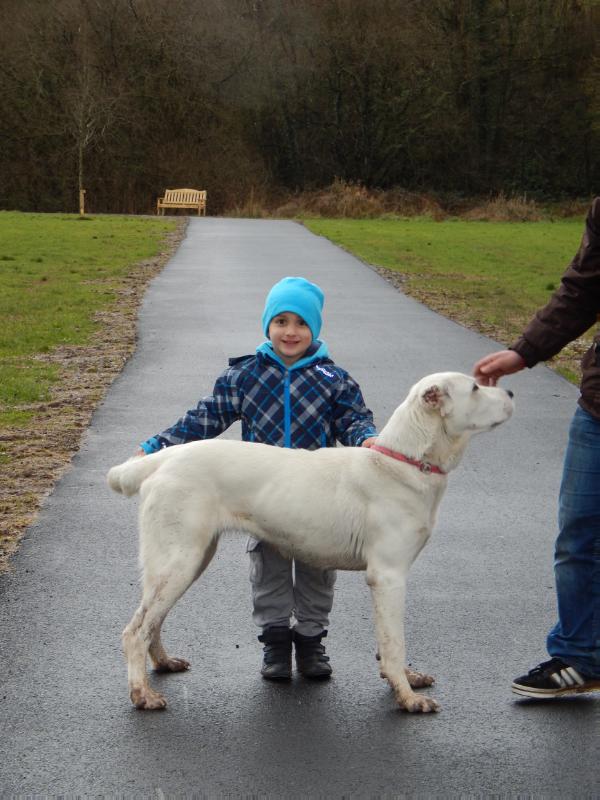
(464, 406)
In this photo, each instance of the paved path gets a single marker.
(480, 596)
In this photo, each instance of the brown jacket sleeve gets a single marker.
(574, 307)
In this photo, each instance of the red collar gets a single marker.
(424, 466)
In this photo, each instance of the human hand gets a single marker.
(369, 442)
(489, 369)
(140, 452)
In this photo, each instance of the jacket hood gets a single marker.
(316, 352)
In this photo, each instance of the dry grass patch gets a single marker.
(347, 200)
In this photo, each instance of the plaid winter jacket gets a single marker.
(309, 405)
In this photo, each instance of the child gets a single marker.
(288, 394)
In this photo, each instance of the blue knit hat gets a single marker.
(299, 296)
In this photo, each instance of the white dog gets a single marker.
(355, 508)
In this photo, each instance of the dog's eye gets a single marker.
(475, 387)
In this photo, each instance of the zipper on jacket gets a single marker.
(287, 413)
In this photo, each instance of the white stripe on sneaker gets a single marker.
(575, 675)
(558, 679)
(567, 677)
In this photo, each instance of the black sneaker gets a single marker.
(554, 678)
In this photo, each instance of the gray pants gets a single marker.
(283, 586)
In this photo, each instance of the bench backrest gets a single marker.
(184, 196)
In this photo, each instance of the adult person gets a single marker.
(574, 642)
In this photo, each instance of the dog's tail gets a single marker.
(127, 478)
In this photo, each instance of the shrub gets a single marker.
(352, 200)
(506, 209)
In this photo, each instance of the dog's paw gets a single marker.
(418, 679)
(172, 665)
(418, 704)
(147, 699)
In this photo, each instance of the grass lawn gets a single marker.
(490, 276)
(57, 272)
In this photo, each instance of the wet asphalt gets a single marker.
(480, 596)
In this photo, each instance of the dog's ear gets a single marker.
(435, 398)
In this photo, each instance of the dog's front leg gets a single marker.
(416, 679)
(388, 589)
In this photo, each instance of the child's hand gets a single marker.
(140, 452)
(369, 442)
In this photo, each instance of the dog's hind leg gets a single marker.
(162, 589)
(161, 660)
(388, 589)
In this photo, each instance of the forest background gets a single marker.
(257, 101)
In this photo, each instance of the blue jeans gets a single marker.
(576, 636)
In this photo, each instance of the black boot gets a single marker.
(310, 656)
(277, 654)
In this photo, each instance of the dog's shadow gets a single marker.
(298, 699)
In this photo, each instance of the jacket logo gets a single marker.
(324, 371)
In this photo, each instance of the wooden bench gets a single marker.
(182, 198)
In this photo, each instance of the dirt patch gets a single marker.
(35, 455)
